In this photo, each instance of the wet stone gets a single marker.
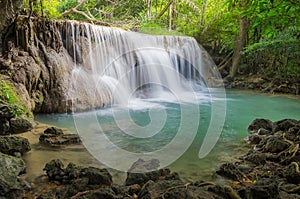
(55, 136)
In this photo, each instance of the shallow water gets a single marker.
(146, 131)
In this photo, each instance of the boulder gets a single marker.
(265, 188)
(105, 193)
(55, 171)
(292, 173)
(96, 176)
(260, 123)
(168, 189)
(11, 186)
(263, 131)
(53, 131)
(142, 178)
(254, 139)
(12, 145)
(231, 171)
(285, 124)
(55, 136)
(4, 126)
(19, 124)
(275, 145)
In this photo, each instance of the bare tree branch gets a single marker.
(89, 16)
(165, 9)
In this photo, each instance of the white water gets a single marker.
(113, 66)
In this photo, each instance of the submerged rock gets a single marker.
(12, 145)
(55, 136)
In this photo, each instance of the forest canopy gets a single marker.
(246, 36)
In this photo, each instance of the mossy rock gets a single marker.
(11, 100)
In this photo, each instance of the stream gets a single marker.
(242, 108)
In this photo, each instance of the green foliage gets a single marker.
(46, 8)
(273, 45)
(156, 29)
(277, 55)
(273, 34)
(8, 96)
(104, 10)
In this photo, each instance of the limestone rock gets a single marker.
(19, 124)
(13, 144)
(55, 136)
(10, 168)
(260, 123)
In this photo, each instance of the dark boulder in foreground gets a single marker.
(94, 183)
(55, 136)
(11, 186)
(55, 171)
(14, 145)
(273, 163)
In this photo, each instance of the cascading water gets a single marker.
(113, 65)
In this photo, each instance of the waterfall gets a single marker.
(112, 65)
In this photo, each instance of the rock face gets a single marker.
(271, 84)
(8, 13)
(35, 60)
(55, 136)
(11, 186)
(39, 62)
(271, 168)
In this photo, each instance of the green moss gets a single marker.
(9, 97)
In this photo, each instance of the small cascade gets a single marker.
(112, 65)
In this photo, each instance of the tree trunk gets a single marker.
(174, 15)
(165, 9)
(239, 46)
(149, 13)
(203, 14)
(8, 12)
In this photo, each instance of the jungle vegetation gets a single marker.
(246, 36)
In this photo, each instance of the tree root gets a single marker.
(79, 194)
(232, 193)
(171, 188)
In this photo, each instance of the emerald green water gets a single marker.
(242, 108)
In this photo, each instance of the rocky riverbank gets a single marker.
(270, 169)
(263, 84)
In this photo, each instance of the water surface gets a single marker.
(242, 108)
